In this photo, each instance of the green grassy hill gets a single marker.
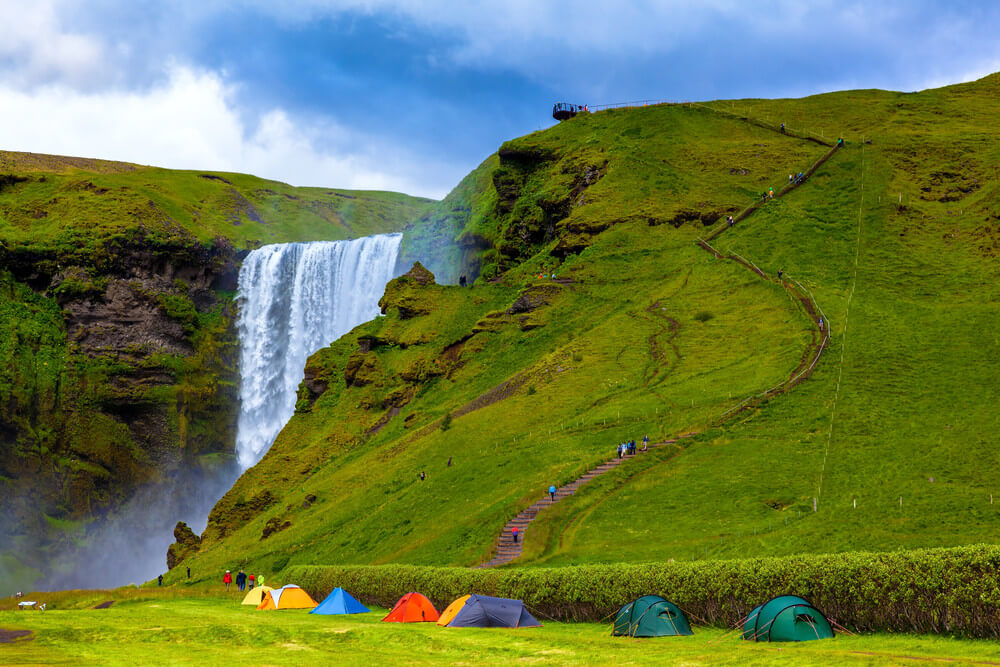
(524, 381)
(117, 346)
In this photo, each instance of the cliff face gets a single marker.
(122, 371)
(118, 352)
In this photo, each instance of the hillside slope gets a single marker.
(117, 347)
(524, 381)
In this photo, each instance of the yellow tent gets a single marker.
(289, 596)
(256, 595)
(452, 609)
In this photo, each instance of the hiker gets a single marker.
(552, 492)
(620, 447)
(189, 572)
(730, 221)
(159, 580)
(241, 581)
(840, 142)
(227, 579)
(791, 179)
(423, 475)
(645, 442)
(449, 462)
(780, 273)
(821, 324)
(782, 128)
(763, 196)
(260, 579)
(770, 193)
(461, 281)
(801, 177)
(252, 578)
(513, 532)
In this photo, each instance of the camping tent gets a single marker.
(412, 608)
(650, 616)
(256, 595)
(786, 618)
(289, 596)
(339, 601)
(480, 611)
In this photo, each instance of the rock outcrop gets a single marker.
(187, 544)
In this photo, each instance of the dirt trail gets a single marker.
(11, 636)
(507, 549)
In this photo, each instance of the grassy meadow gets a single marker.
(642, 332)
(152, 627)
(51, 203)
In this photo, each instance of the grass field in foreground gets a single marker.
(219, 630)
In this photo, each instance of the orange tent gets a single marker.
(287, 597)
(453, 609)
(412, 608)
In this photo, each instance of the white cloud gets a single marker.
(35, 48)
(190, 122)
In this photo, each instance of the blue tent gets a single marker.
(339, 601)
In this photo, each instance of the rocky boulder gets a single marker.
(187, 544)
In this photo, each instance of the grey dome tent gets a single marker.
(786, 618)
(482, 611)
(650, 616)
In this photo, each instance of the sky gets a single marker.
(410, 95)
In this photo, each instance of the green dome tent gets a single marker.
(786, 618)
(650, 616)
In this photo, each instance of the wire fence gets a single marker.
(813, 134)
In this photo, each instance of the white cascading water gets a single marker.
(296, 298)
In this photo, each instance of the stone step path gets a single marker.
(507, 549)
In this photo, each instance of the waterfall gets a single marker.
(296, 298)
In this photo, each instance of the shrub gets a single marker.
(933, 590)
(446, 422)
(704, 316)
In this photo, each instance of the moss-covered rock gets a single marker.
(186, 544)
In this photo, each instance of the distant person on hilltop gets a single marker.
(159, 580)
(423, 475)
(227, 579)
(189, 572)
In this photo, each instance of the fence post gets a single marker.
(814, 503)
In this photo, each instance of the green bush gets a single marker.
(933, 590)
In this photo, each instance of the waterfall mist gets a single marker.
(293, 299)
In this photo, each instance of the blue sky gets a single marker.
(411, 95)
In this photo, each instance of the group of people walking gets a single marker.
(242, 580)
(628, 447)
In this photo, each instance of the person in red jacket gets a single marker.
(227, 579)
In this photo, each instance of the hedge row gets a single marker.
(934, 590)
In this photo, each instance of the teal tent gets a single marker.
(786, 618)
(650, 616)
(339, 601)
